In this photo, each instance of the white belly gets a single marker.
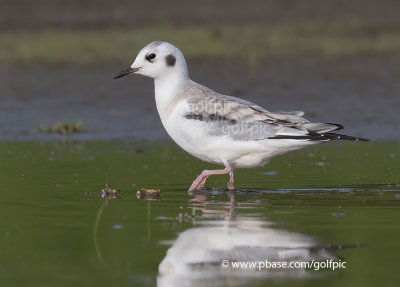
(192, 136)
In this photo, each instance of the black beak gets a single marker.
(126, 72)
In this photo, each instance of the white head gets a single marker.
(158, 59)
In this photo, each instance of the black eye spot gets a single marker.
(150, 57)
(170, 59)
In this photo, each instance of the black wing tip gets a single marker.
(335, 136)
(322, 137)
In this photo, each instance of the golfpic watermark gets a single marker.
(328, 264)
(238, 119)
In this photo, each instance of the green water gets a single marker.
(57, 230)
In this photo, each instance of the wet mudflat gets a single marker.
(338, 201)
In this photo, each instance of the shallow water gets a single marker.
(339, 201)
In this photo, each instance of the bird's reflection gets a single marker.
(194, 259)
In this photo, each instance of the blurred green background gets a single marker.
(99, 32)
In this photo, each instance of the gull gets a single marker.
(217, 128)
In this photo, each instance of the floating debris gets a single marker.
(106, 193)
(64, 128)
(149, 194)
(109, 193)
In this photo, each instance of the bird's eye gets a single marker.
(150, 57)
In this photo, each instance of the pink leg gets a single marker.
(231, 184)
(201, 179)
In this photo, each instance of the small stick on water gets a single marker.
(149, 194)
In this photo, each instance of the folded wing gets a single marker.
(246, 121)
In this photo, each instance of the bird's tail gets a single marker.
(335, 136)
(321, 132)
(322, 137)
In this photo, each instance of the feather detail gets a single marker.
(244, 120)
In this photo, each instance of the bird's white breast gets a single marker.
(193, 137)
(197, 138)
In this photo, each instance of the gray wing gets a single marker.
(243, 120)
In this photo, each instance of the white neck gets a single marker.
(167, 89)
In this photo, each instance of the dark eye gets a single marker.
(150, 57)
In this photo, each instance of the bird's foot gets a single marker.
(231, 185)
(200, 181)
